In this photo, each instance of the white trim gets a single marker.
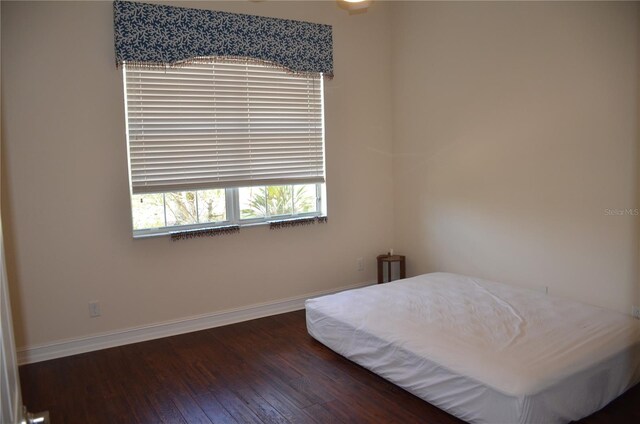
(61, 348)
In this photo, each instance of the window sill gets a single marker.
(142, 234)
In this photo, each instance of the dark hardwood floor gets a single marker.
(261, 371)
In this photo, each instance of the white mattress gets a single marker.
(483, 351)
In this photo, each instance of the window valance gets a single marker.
(159, 35)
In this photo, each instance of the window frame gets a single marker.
(232, 197)
(233, 212)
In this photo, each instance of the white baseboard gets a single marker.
(61, 348)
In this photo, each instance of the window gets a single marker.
(223, 143)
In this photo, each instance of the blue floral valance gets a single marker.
(159, 35)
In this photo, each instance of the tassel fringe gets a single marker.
(206, 232)
(276, 225)
(232, 229)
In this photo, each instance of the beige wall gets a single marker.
(515, 128)
(515, 125)
(65, 185)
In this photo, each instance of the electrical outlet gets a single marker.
(635, 312)
(94, 309)
(360, 264)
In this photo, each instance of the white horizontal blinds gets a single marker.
(223, 125)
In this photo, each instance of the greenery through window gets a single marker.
(259, 202)
(245, 205)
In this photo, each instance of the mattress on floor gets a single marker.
(483, 351)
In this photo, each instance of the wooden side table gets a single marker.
(389, 259)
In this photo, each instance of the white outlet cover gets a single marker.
(635, 312)
(94, 309)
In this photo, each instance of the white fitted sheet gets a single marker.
(483, 351)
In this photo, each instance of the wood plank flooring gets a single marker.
(262, 371)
